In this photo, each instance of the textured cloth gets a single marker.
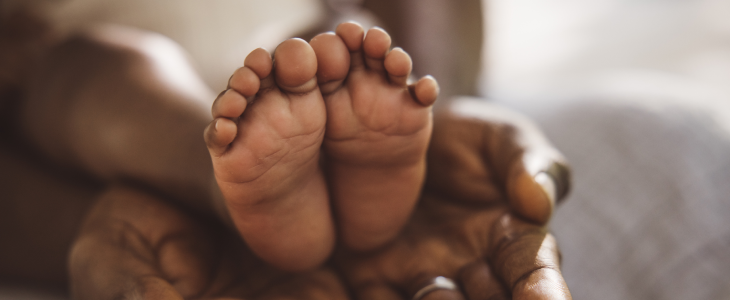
(649, 216)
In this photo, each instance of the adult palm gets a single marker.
(488, 251)
(491, 186)
(135, 246)
(471, 225)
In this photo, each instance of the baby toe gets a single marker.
(398, 64)
(425, 90)
(375, 46)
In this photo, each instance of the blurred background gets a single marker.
(635, 93)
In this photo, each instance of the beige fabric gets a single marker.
(218, 34)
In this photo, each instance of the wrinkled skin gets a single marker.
(147, 249)
(135, 246)
(489, 251)
(471, 223)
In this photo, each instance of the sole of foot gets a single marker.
(378, 130)
(265, 143)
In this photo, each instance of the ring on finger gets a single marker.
(436, 283)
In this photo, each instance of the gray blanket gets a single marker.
(649, 216)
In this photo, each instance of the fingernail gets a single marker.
(548, 186)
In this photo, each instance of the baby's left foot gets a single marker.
(266, 156)
(378, 129)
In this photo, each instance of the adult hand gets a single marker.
(483, 153)
(463, 229)
(144, 247)
(487, 251)
(134, 246)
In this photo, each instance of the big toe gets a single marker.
(333, 60)
(295, 66)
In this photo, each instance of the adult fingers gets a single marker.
(425, 288)
(526, 258)
(313, 285)
(436, 288)
(409, 266)
(376, 290)
(481, 152)
(133, 246)
(479, 283)
(101, 271)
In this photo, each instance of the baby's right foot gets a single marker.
(378, 130)
(265, 154)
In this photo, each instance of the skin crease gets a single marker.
(98, 234)
(478, 244)
(377, 133)
(486, 153)
(266, 153)
(492, 252)
(146, 247)
(66, 121)
(266, 156)
(135, 245)
(465, 226)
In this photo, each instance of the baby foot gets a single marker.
(378, 130)
(265, 145)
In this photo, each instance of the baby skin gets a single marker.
(330, 120)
